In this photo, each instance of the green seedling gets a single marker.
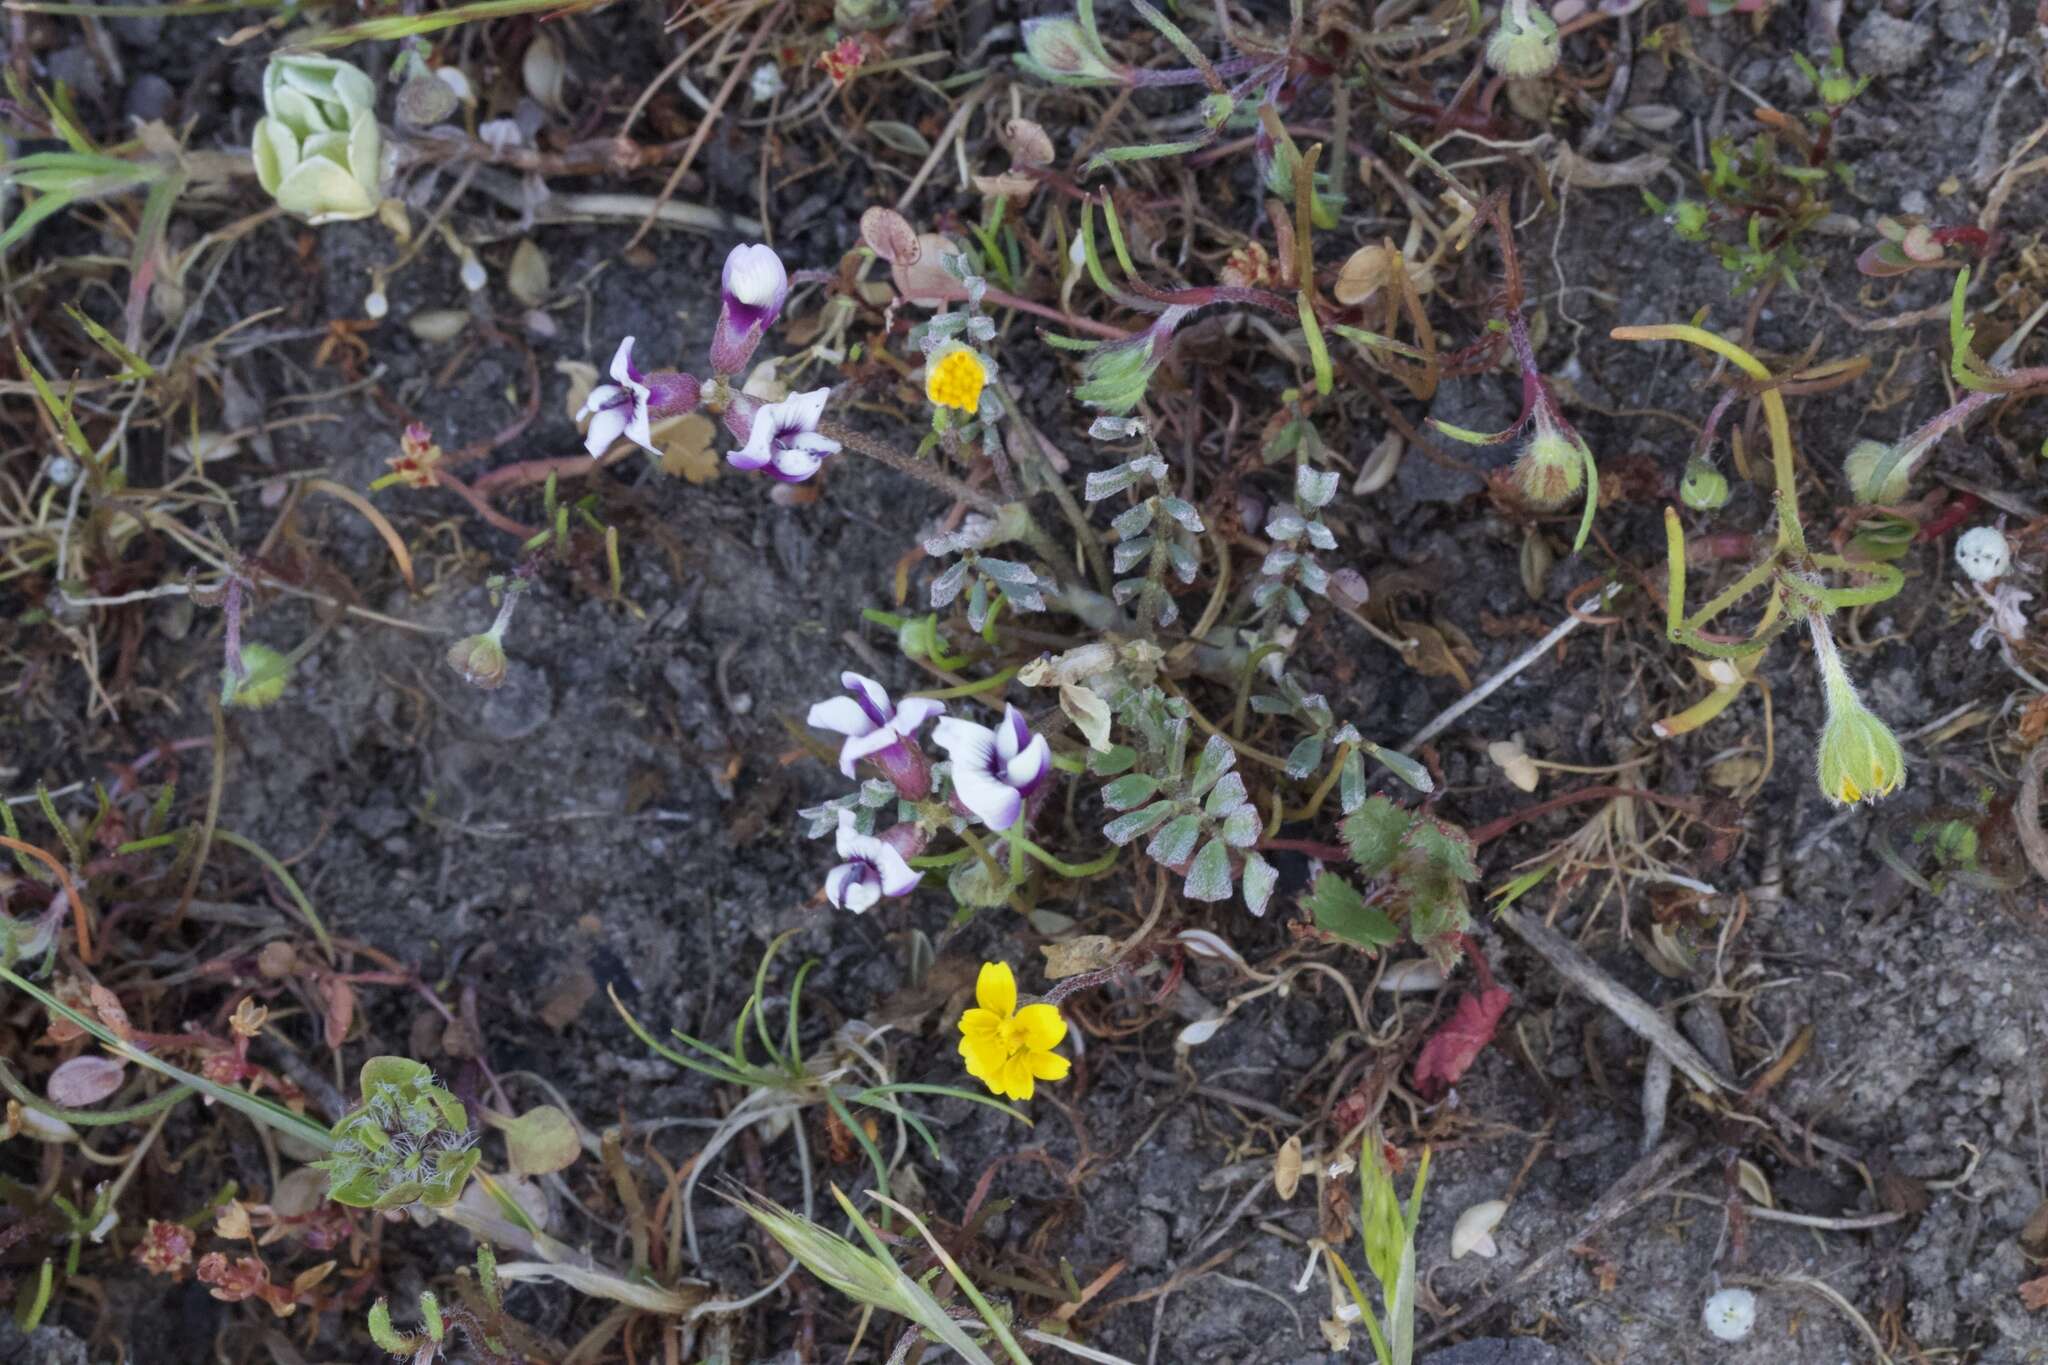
(851, 1072)
(1416, 869)
(1771, 190)
(1388, 1232)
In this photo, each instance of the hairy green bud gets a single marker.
(1551, 469)
(1059, 49)
(480, 659)
(1525, 42)
(1704, 488)
(264, 674)
(1863, 465)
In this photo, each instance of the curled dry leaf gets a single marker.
(438, 324)
(527, 277)
(582, 377)
(1652, 118)
(1202, 943)
(889, 235)
(339, 999)
(1458, 1041)
(1287, 1168)
(1089, 712)
(1026, 142)
(1201, 1031)
(1582, 174)
(1473, 1234)
(540, 1141)
(1416, 974)
(85, 1080)
(108, 1006)
(1515, 762)
(1370, 268)
(925, 281)
(688, 450)
(1073, 956)
(544, 72)
(1008, 185)
(1377, 470)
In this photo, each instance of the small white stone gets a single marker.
(1983, 553)
(1730, 1314)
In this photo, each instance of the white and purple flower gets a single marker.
(635, 403)
(882, 731)
(994, 770)
(618, 409)
(751, 291)
(783, 438)
(874, 868)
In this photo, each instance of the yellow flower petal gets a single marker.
(996, 989)
(1016, 1081)
(981, 1024)
(1043, 1027)
(984, 1059)
(1050, 1066)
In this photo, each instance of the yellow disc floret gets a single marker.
(955, 376)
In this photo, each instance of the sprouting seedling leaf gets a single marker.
(1968, 367)
(1339, 910)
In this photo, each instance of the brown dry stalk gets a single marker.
(2026, 811)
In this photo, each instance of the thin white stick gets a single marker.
(1522, 661)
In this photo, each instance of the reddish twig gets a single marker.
(70, 891)
(1494, 829)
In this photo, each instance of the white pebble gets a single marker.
(1983, 553)
(1730, 1314)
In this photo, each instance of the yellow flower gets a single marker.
(954, 377)
(1008, 1049)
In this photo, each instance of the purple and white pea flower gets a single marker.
(994, 770)
(882, 731)
(630, 406)
(873, 867)
(751, 291)
(783, 438)
(618, 409)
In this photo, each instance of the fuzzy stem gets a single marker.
(884, 453)
(1775, 416)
